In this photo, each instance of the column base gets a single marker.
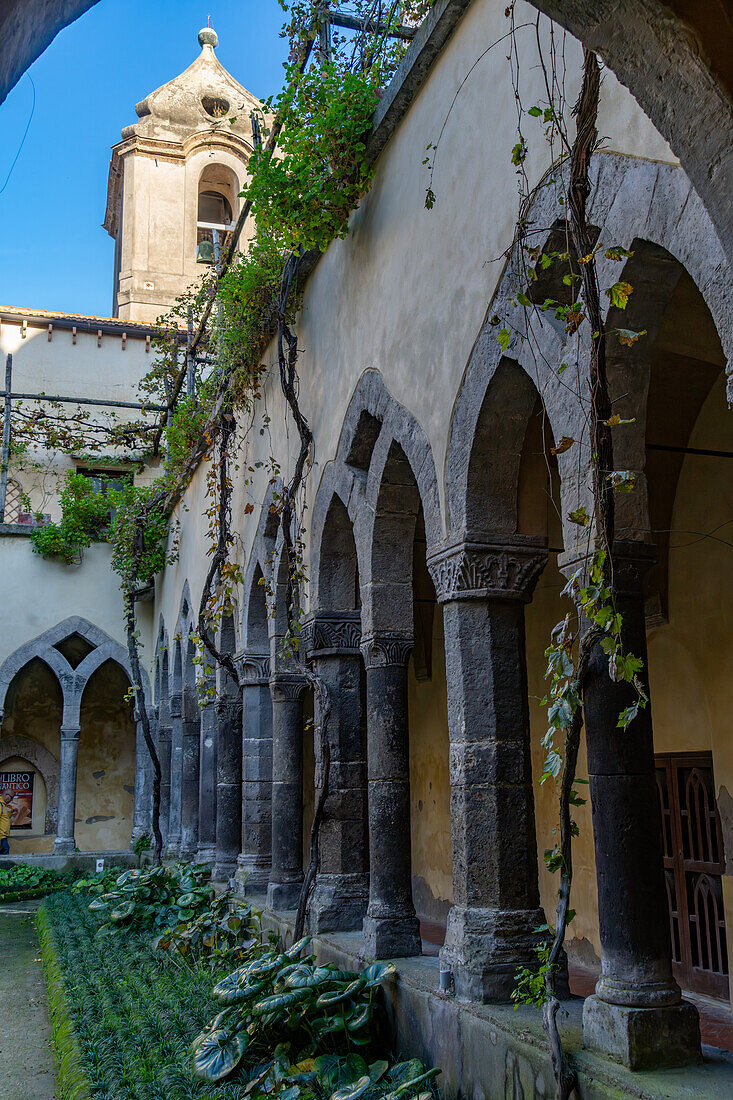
(643, 1038)
(206, 855)
(172, 851)
(486, 947)
(64, 846)
(339, 903)
(283, 895)
(251, 878)
(224, 870)
(392, 937)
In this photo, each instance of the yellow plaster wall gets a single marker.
(432, 860)
(106, 767)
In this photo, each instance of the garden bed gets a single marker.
(133, 1014)
(140, 1013)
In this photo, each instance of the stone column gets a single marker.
(341, 892)
(173, 845)
(255, 858)
(228, 778)
(483, 586)
(164, 755)
(637, 1015)
(286, 875)
(64, 842)
(391, 928)
(206, 850)
(142, 820)
(190, 773)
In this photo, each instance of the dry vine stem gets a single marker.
(287, 360)
(144, 718)
(586, 112)
(221, 551)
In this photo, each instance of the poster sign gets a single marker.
(20, 786)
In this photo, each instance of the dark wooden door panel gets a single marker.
(693, 866)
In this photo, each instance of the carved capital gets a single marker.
(379, 651)
(477, 569)
(287, 687)
(70, 733)
(254, 668)
(330, 633)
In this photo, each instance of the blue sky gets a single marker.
(53, 252)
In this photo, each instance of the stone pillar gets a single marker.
(164, 755)
(286, 875)
(391, 928)
(228, 778)
(190, 761)
(637, 1015)
(206, 850)
(64, 842)
(483, 587)
(173, 845)
(341, 892)
(142, 819)
(255, 858)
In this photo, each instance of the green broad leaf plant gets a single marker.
(156, 899)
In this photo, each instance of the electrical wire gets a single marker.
(22, 140)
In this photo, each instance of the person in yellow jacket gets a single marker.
(5, 817)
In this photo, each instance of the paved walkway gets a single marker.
(27, 1070)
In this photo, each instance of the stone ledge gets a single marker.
(496, 1051)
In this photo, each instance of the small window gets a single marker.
(213, 226)
(215, 106)
(107, 480)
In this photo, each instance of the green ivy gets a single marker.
(303, 196)
(85, 518)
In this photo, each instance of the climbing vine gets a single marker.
(209, 350)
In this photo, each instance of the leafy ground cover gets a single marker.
(20, 882)
(167, 1019)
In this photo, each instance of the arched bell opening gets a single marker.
(217, 198)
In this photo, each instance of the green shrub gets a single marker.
(224, 933)
(20, 882)
(85, 518)
(156, 898)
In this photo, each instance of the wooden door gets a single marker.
(693, 866)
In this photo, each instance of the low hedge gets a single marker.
(28, 895)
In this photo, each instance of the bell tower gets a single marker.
(174, 183)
